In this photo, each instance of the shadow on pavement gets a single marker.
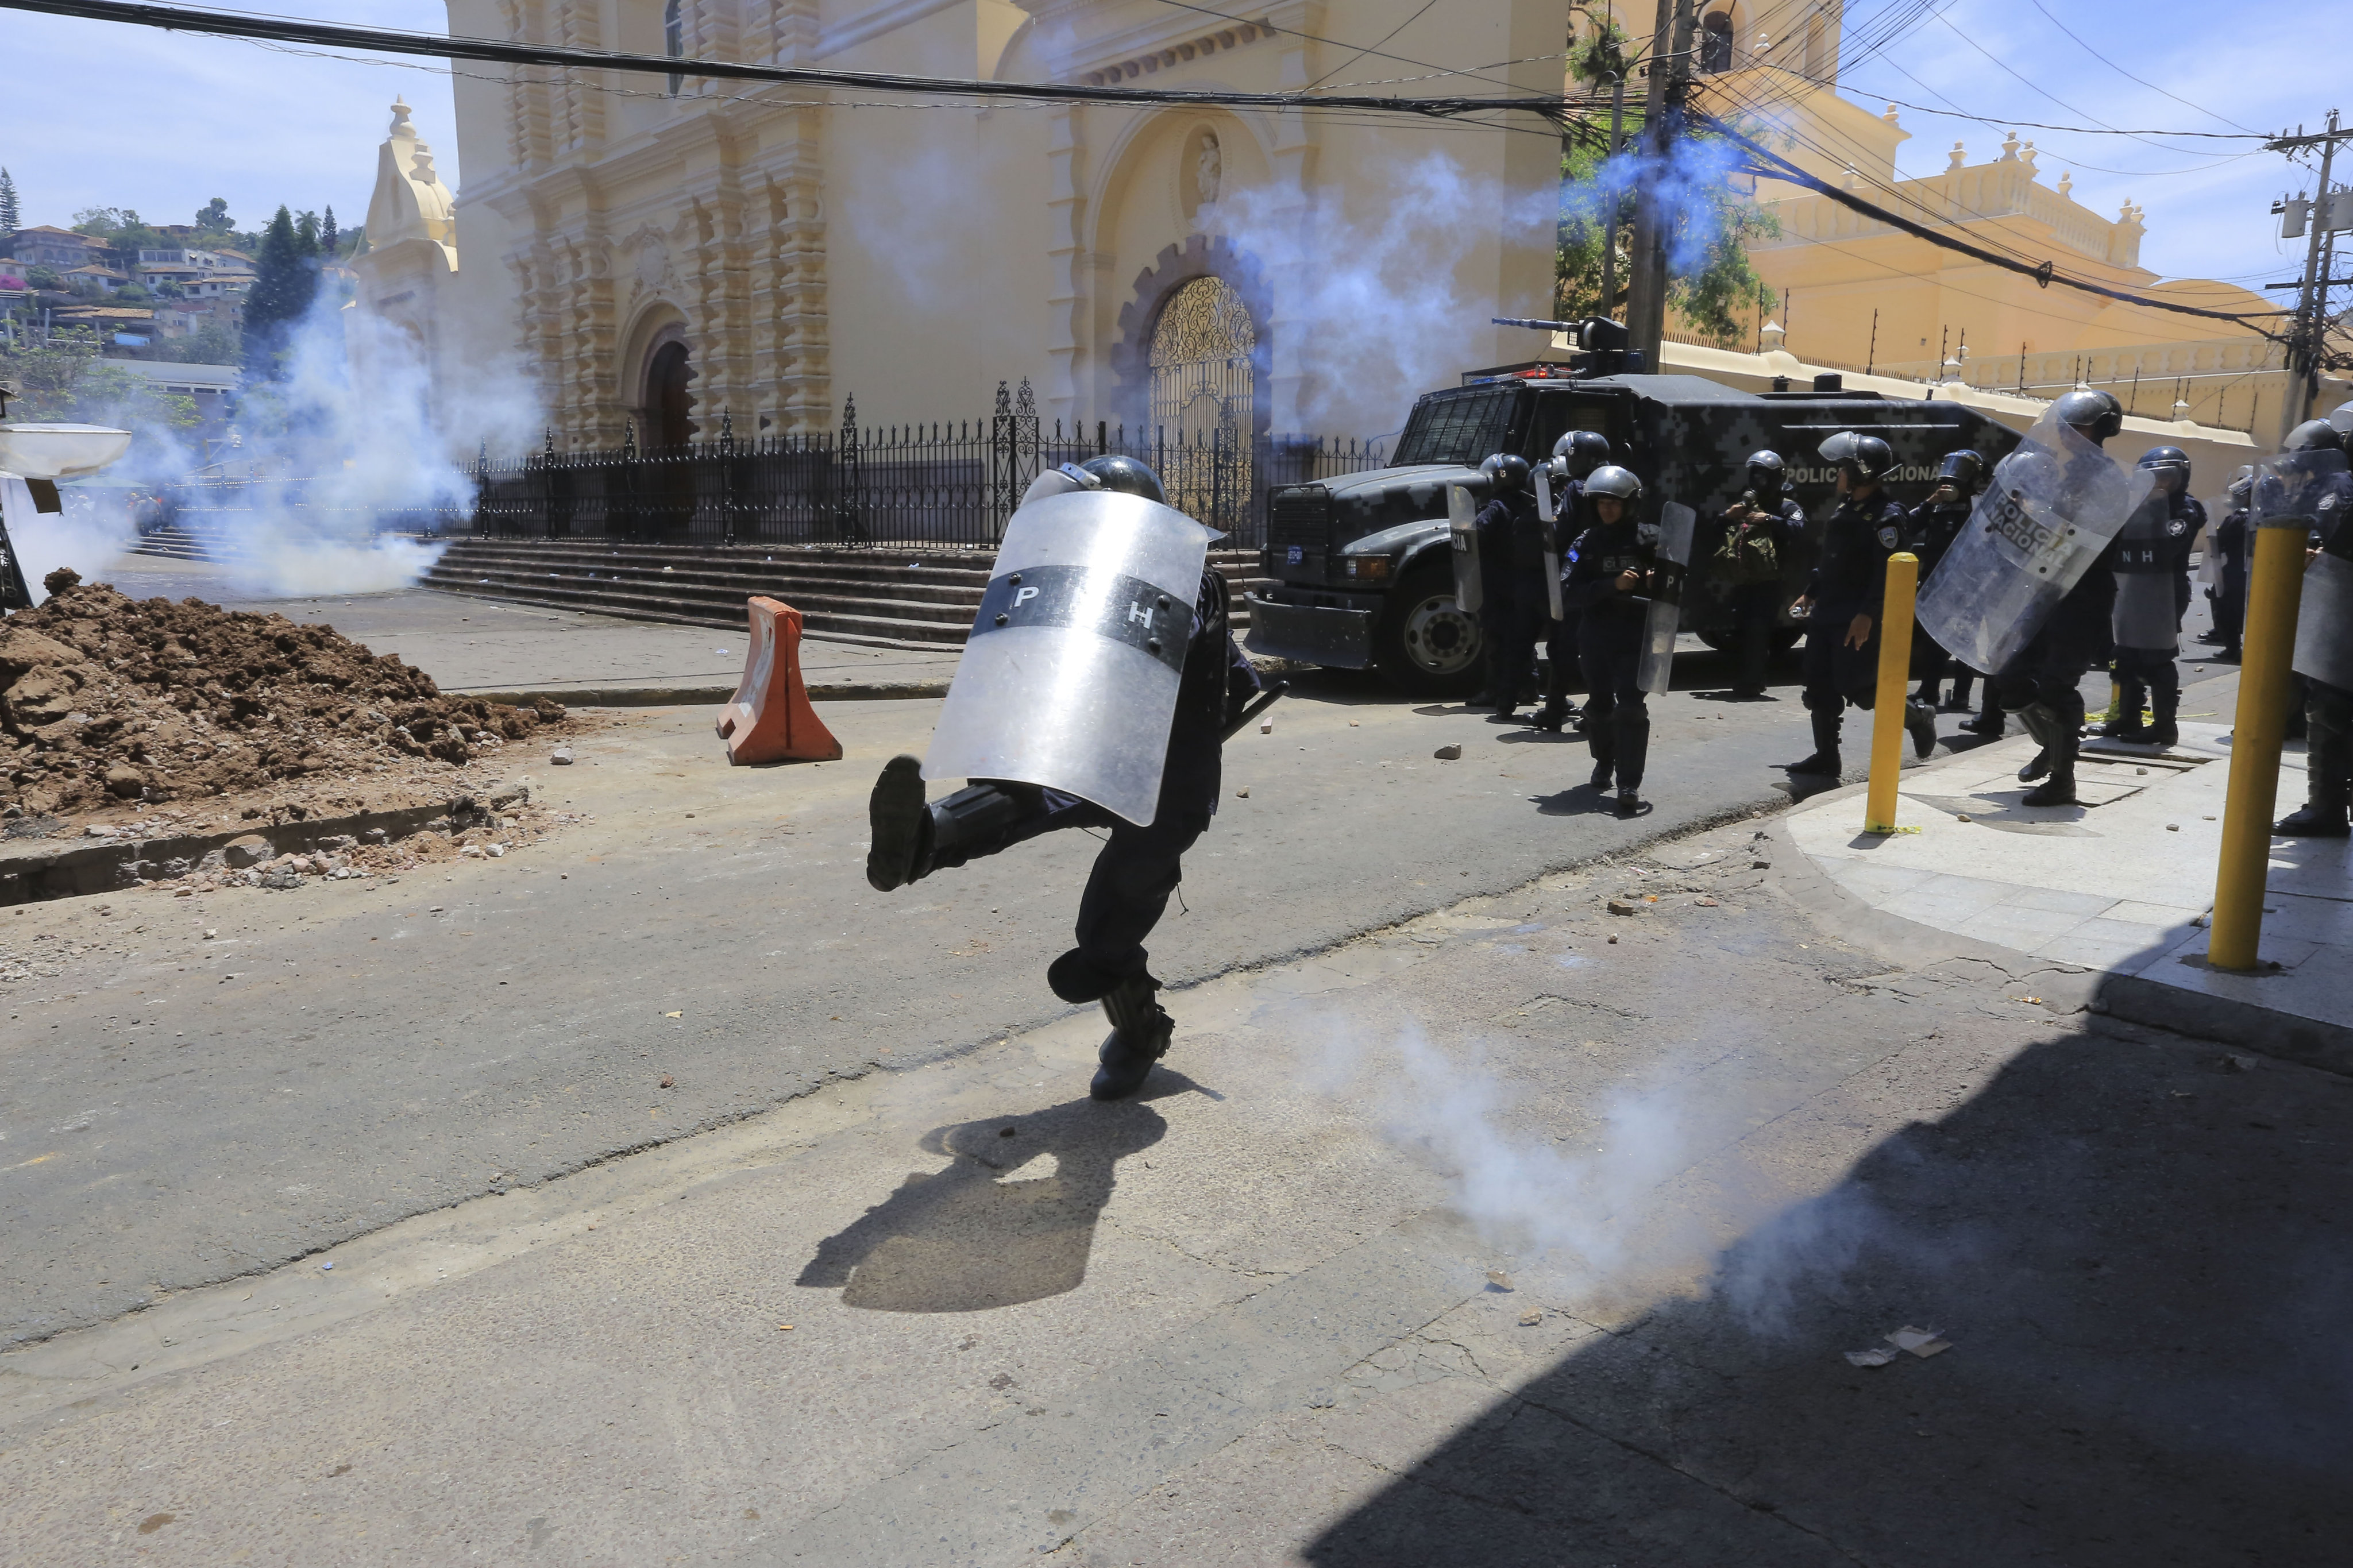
(994, 1228)
(2139, 1259)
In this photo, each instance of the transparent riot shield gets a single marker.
(2144, 613)
(2314, 489)
(1462, 532)
(1069, 679)
(1676, 524)
(1548, 509)
(2052, 506)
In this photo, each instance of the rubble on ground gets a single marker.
(110, 706)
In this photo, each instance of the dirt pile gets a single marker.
(107, 701)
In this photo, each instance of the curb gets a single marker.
(33, 871)
(2067, 988)
(690, 696)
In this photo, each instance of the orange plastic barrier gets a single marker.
(771, 720)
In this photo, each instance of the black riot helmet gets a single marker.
(1613, 483)
(2241, 485)
(1865, 456)
(2170, 464)
(1119, 472)
(1506, 472)
(2094, 415)
(1964, 470)
(1584, 449)
(2313, 436)
(1767, 473)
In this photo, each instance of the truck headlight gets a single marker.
(1367, 568)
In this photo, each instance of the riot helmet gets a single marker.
(1767, 473)
(1610, 482)
(2241, 485)
(1964, 470)
(2170, 464)
(2341, 417)
(1586, 450)
(1506, 472)
(1863, 457)
(2313, 436)
(1117, 471)
(2095, 415)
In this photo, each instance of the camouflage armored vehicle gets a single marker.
(1362, 569)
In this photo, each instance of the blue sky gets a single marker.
(102, 115)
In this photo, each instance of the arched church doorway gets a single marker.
(1203, 395)
(669, 405)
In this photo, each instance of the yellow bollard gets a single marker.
(2274, 592)
(1894, 678)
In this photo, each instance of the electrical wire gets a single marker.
(1957, 112)
(2054, 98)
(1360, 54)
(2128, 74)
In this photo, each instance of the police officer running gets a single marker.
(2315, 452)
(1609, 587)
(2152, 567)
(1929, 531)
(1104, 556)
(1574, 457)
(1515, 552)
(1843, 601)
(1758, 531)
(2043, 684)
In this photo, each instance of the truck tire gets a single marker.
(1424, 646)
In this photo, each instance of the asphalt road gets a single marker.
(180, 1109)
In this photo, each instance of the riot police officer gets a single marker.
(1930, 530)
(1759, 529)
(1574, 457)
(2043, 684)
(1516, 556)
(2152, 569)
(1611, 583)
(1841, 602)
(2321, 489)
(982, 727)
(2228, 544)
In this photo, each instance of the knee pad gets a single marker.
(972, 818)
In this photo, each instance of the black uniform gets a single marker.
(2328, 709)
(1611, 633)
(1757, 605)
(1512, 543)
(2043, 683)
(2149, 675)
(1560, 645)
(1138, 867)
(2229, 594)
(1929, 530)
(1850, 580)
(2189, 511)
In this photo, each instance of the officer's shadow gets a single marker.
(997, 1227)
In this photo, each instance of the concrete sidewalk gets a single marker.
(508, 652)
(2121, 886)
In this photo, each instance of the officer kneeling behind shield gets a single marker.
(1095, 691)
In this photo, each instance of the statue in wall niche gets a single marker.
(1209, 168)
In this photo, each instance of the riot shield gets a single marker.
(1548, 509)
(1068, 677)
(1676, 525)
(1462, 532)
(2143, 617)
(2313, 489)
(2052, 506)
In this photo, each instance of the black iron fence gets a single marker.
(937, 484)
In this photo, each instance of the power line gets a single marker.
(2046, 92)
(1957, 112)
(1319, 38)
(1360, 54)
(172, 18)
(2128, 74)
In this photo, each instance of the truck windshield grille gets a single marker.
(1466, 428)
(1300, 516)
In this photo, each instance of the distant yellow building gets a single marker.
(1855, 293)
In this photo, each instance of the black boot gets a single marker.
(1825, 759)
(1958, 700)
(1920, 720)
(1140, 1030)
(898, 824)
(1633, 750)
(2059, 741)
(2165, 730)
(2313, 820)
(1556, 712)
(2038, 720)
(1602, 739)
(2126, 725)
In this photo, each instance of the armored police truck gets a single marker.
(1363, 574)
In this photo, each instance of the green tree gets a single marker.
(212, 220)
(208, 345)
(331, 240)
(11, 218)
(66, 379)
(306, 234)
(285, 282)
(1713, 287)
(45, 277)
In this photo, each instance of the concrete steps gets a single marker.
(892, 598)
(176, 543)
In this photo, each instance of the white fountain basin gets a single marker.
(59, 451)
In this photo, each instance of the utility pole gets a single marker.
(1609, 231)
(1670, 72)
(2306, 340)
